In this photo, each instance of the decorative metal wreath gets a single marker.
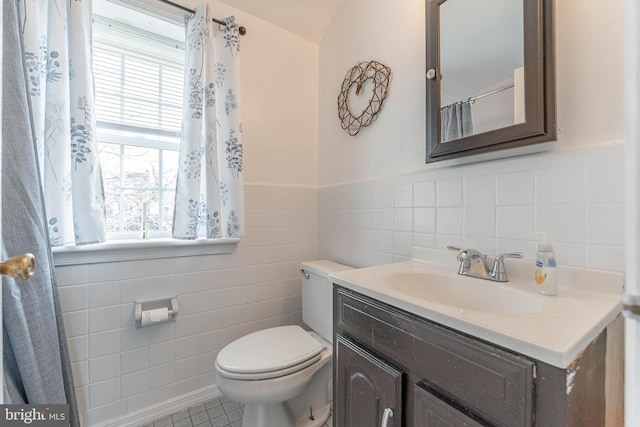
(380, 75)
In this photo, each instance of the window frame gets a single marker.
(165, 55)
(134, 250)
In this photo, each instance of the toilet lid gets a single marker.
(269, 350)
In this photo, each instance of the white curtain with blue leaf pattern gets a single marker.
(57, 52)
(209, 192)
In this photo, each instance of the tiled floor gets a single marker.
(216, 413)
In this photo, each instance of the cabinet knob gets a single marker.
(388, 413)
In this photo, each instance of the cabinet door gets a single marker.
(430, 411)
(366, 387)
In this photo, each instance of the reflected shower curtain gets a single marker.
(209, 191)
(37, 369)
(456, 121)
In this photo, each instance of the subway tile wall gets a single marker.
(576, 196)
(120, 369)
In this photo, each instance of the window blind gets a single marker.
(139, 80)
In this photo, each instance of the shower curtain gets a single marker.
(37, 369)
(456, 121)
(209, 191)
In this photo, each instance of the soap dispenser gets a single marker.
(546, 278)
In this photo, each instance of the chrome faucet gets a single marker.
(475, 264)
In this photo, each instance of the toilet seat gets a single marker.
(269, 353)
(267, 375)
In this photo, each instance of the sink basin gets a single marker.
(462, 292)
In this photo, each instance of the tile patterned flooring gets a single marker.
(219, 412)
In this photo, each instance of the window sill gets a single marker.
(130, 250)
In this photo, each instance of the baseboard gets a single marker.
(162, 409)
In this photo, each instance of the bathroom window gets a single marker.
(138, 50)
(139, 87)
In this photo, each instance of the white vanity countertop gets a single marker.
(556, 334)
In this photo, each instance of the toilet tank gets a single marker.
(317, 295)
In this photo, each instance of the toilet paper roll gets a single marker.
(157, 315)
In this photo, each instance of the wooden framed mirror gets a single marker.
(490, 76)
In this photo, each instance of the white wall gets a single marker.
(377, 197)
(279, 102)
(392, 33)
(589, 73)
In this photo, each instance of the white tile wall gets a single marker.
(492, 206)
(119, 369)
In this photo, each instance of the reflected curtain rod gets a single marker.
(473, 98)
(241, 30)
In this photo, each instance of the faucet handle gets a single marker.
(462, 253)
(501, 257)
(499, 272)
(467, 256)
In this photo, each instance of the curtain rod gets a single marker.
(241, 30)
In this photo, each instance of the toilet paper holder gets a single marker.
(170, 303)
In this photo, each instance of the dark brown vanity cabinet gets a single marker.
(429, 375)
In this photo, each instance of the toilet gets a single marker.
(282, 375)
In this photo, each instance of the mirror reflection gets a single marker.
(482, 66)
